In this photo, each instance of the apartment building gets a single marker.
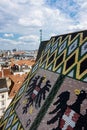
(4, 98)
(11, 79)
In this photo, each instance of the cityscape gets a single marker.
(14, 68)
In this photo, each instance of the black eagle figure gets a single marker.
(69, 117)
(36, 92)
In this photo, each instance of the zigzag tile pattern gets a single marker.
(67, 53)
(64, 56)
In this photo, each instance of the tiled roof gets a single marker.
(22, 62)
(19, 52)
(6, 72)
(56, 93)
(41, 48)
(18, 81)
(0, 74)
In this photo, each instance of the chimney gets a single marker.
(2, 72)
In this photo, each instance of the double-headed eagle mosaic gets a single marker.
(69, 116)
(36, 92)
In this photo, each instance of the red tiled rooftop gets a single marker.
(19, 52)
(18, 81)
(0, 74)
(22, 62)
(6, 72)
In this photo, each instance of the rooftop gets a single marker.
(17, 82)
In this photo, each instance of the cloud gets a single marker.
(23, 42)
(8, 35)
(30, 38)
(27, 17)
(20, 1)
(36, 3)
(9, 41)
(30, 22)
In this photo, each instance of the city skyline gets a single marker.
(22, 20)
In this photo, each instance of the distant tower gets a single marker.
(40, 35)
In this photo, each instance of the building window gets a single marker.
(2, 96)
(2, 103)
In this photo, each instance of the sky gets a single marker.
(22, 20)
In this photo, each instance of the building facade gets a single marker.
(4, 98)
